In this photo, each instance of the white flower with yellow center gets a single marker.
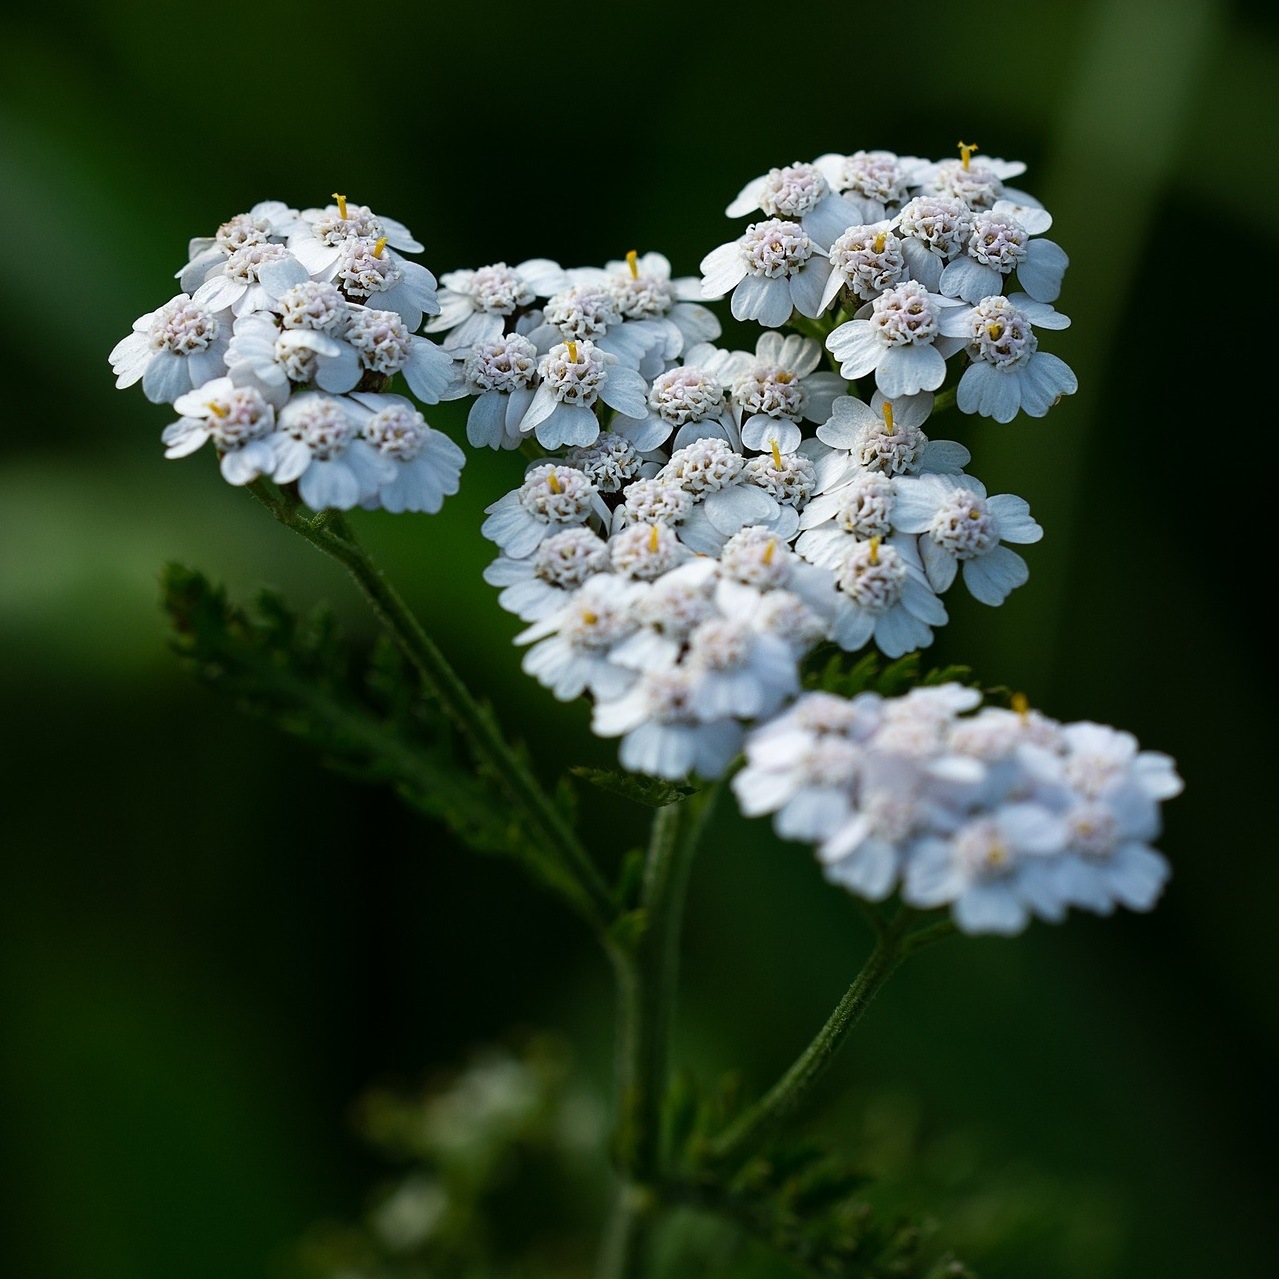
(691, 400)
(239, 421)
(899, 338)
(865, 260)
(368, 272)
(1009, 374)
(588, 310)
(962, 530)
(645, 289)
(322, 234)
(552, 498)
(933, 231)
(884, 596)
(570, 649)
(978, 180)
(770, 270)
(886, 436)
(428, 465)
(644, 552)
(537, 585)
(1000, 245)
(574, 377)
(711, 473)
(385, 347)
(799, 193)
(277, 360)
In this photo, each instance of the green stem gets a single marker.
(744, 1137)
(329, 533)
(647, 976)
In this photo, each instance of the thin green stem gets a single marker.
(893, 944)
(647, 976)
(582, 882)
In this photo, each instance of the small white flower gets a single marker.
(275, 360)
(858, 509)
(552, 498)
(771, 269)
(800, 193)
(315, 305)
(885, 435)
(780, 388)
(865, 260)
(999, 244)
(979, 182)
(877, 181)
(500, 375)
(172, 349)
(238, 420)
(385, 347)
(369, 272)
(250, 279)
(476, 306)
(646, 290)
(691, 400)
(961, 529)
(570, 649)
(322, 234)
(613, 462)
(1009, 373)
(646, 551)
(885, 596)
(319, 446)
(933, 231)
(898, 337)
(536, 586)
(741, 672)
(270, 221)
(668, 611)
(428, 465)
(574, 377)
(589, 310)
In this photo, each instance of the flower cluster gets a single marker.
(282, 348)
(1000, 815)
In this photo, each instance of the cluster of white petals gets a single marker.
(283, 349)
(998, 815)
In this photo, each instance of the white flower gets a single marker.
(898, 336)
(1009, 373)
(570, 651)
(574, 377)
(552, 498)
(268, 222)
(690, 399)
(646, 551)
(711, 474)
(800, 193)
(979, 182)
(961, 529)
(369, 272)
(274, 360)
(885, 435)
(475, 306)
(1000, 244)
(933, 230)
(645, 289)
(428, 465)
(994, 870)
(877, 181)
(321, 235)
(612, 461)
(500, 375)
(588, 310)
(780, 388)
(384, 345)
(865, 260)
(536, 586)
(250, 279)
(319, 446)
(859, 508)
(662, 734)
(771, 269)
(884, 595)
(238, 420)
(740, 671)
(172, 349)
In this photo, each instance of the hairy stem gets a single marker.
(581, 881)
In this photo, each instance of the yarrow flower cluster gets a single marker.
(283, 349)
(999, 815)
(695, 520)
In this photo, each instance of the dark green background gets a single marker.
(210, 946)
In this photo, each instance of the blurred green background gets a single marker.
(210, 947)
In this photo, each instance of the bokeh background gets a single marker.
(209, 947)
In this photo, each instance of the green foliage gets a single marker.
(361, 713)
(651, 792)
(828, 671)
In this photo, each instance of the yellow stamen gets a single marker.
(966, 150)
(1021, 704)
(777, 455)
(996, 856)
(652, 538)
(219, 410)
(974, 513)
(341, 199)
(379, 247)
(572, 351)
(786, 377)
(553, 484)
(880, 240)
(770, 550)
(888, 416)
(874, 551)
(632, 261)
(590, 618)
(996, 331)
